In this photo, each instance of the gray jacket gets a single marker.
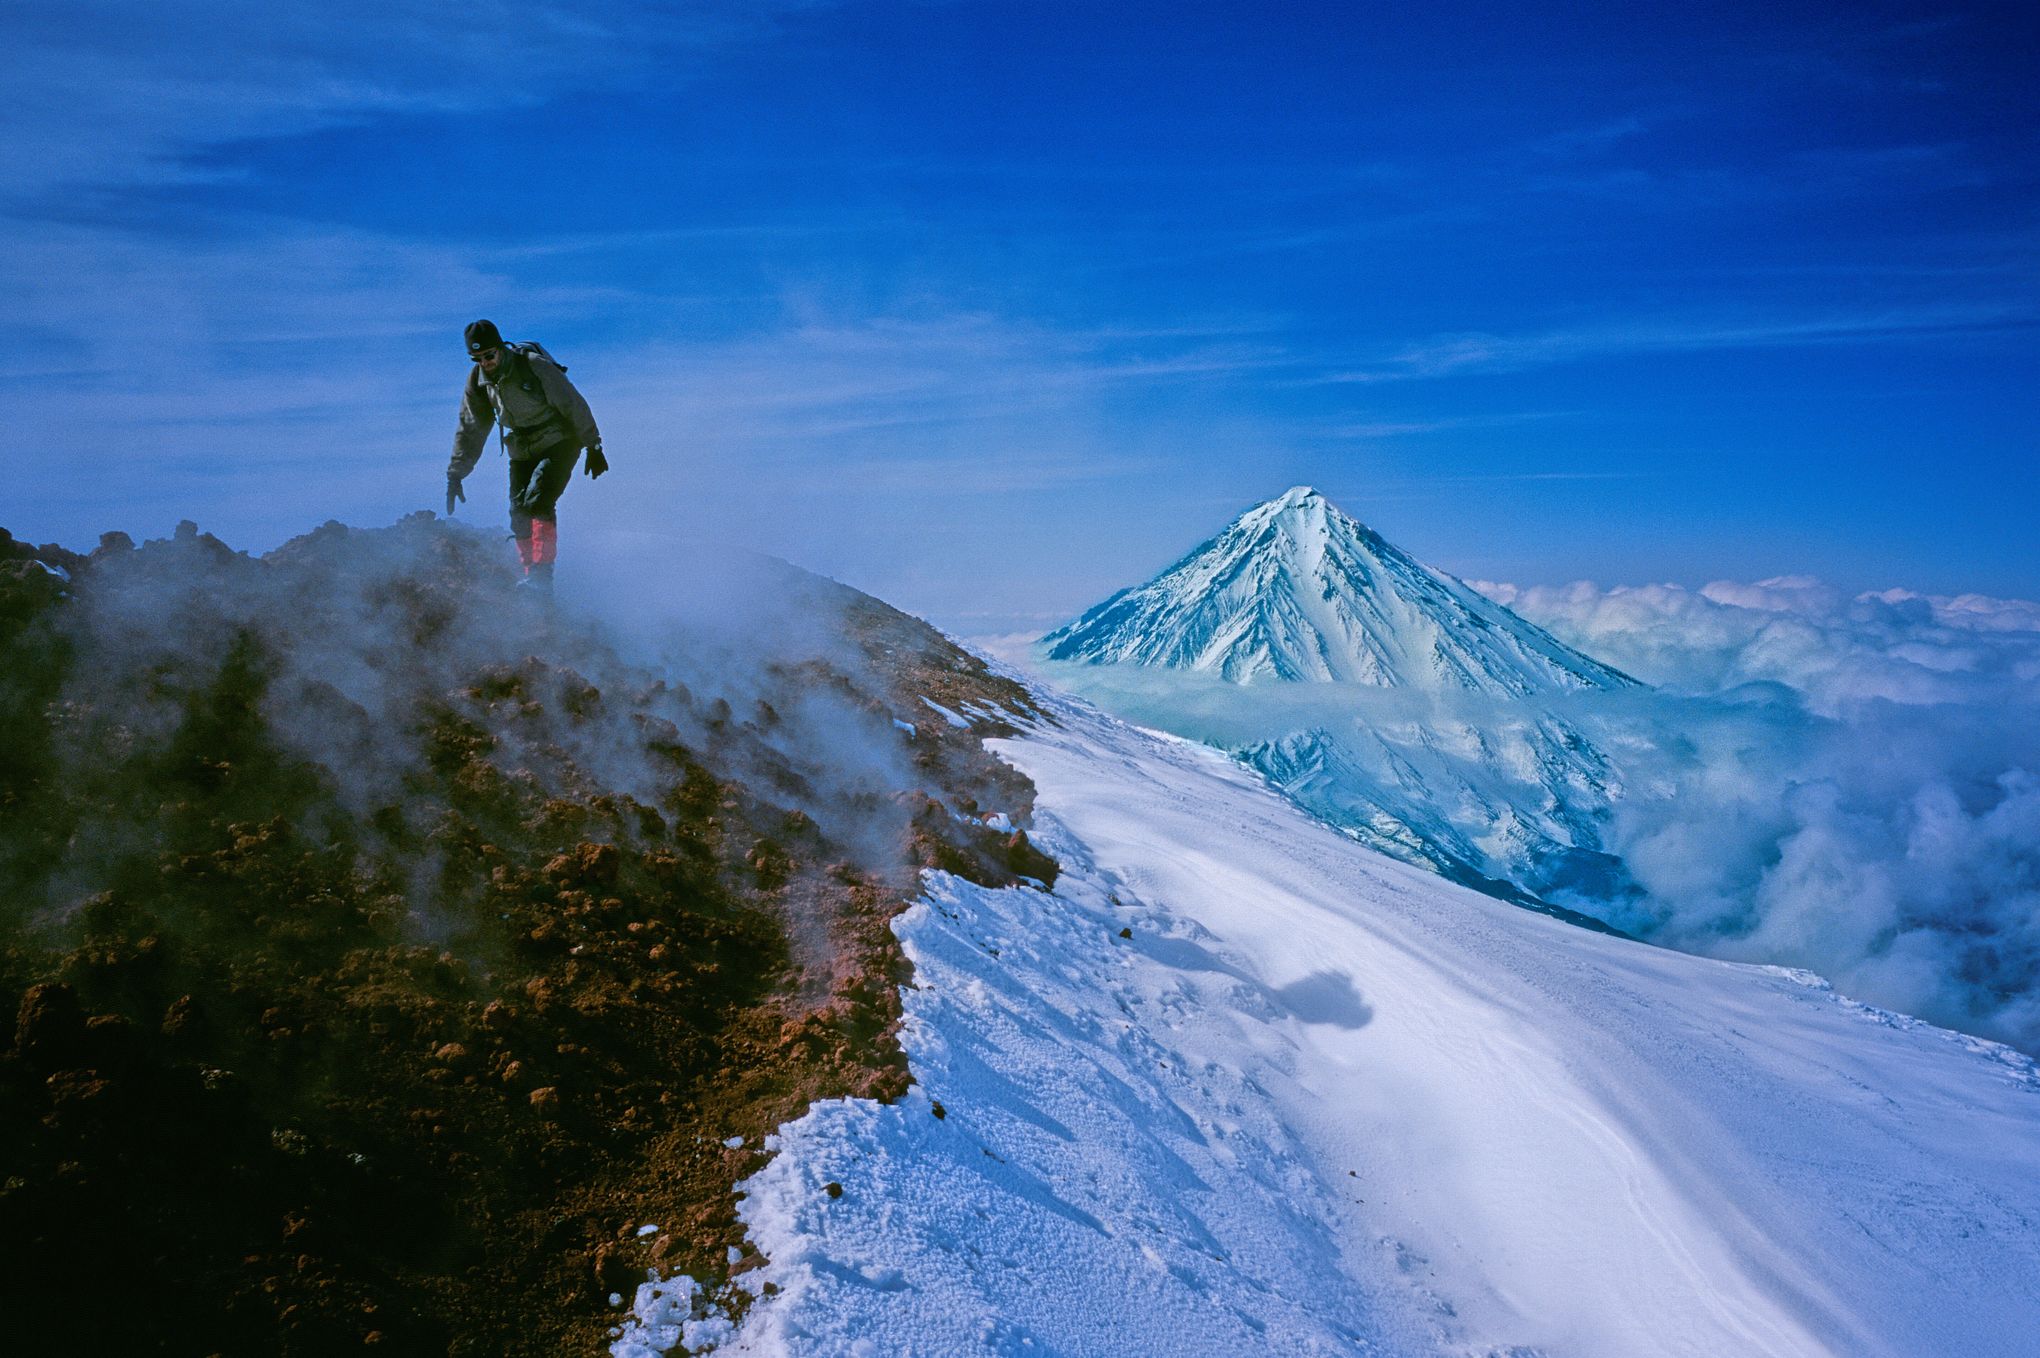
(539, 410)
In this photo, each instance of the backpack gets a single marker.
(521, 353)
(524, 349)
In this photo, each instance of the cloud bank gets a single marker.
(1850, 784)
(1839, 651)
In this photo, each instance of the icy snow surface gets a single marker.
(1319, 1102)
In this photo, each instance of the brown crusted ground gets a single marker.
(298, 1070)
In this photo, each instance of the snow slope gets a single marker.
(1295, 589)
(1318, 1102)
(1511, 798)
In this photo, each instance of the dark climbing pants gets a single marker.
(536, 484)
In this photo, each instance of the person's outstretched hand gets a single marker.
(597, 464)
(453, 492)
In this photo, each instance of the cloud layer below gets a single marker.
(1850, 784)
(1839, 651)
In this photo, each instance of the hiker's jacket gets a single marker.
(537, 406)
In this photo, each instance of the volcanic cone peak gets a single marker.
(1294, 589)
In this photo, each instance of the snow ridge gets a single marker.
(1294, 589)
(1239, 1085)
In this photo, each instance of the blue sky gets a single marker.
(992, 308)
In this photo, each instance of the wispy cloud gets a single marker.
(847, 375)
(1596, 138)
(1393, 429)
(95, 293)
(1455, 355)
(1501, 478)
(113, 92)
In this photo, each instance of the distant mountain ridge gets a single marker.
(1296, 590)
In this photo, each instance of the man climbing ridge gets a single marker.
(546, 424)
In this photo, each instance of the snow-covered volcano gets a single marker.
(1294, 589)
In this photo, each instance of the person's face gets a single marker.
(489, 358)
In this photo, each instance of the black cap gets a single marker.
(483, 335)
